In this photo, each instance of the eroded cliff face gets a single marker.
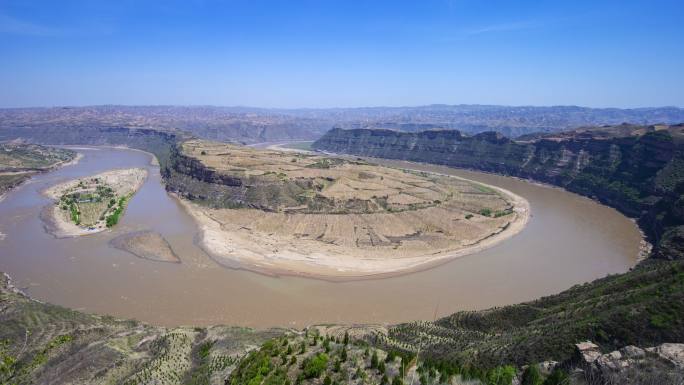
(189, 178)
(100, 136)
(159, 143)
(638, 170)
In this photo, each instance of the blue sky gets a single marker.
(345, 53)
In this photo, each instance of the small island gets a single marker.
(91, 204)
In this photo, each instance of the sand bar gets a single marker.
(147, 245)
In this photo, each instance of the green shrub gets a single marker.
(113, 219)
(532, 376)
(502, 375)
(314, 366)
(557, 377)
(374, 360)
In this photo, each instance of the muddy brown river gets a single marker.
(569, 240)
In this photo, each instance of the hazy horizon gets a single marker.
(341, 107)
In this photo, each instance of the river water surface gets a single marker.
(569, 240)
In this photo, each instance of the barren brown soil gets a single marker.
(399, 220)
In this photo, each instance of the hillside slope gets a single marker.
(47, 344)
(637, 169)
(642, 307)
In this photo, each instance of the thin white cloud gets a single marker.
(11, 25)
(503, 27)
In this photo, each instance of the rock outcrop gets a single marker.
(662, 364)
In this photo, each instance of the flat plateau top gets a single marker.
(351, 184)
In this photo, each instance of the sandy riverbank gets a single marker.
(266, 253)
(281, 147)
(124, 183)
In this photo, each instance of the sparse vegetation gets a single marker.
(344, 362)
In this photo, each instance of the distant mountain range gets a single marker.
(251, 125)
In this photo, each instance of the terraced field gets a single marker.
(316, 215)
